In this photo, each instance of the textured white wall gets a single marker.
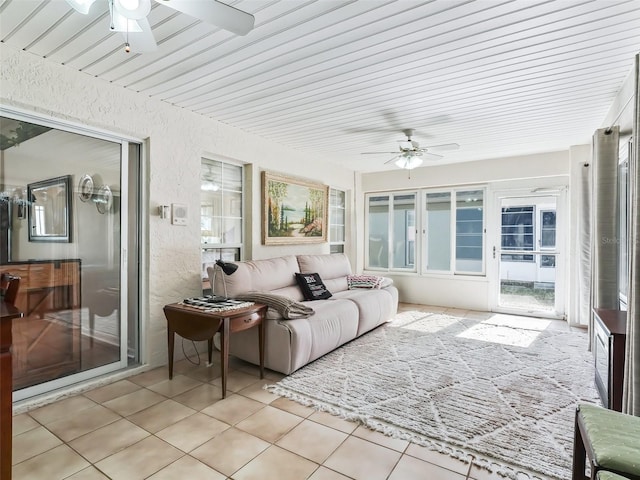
(176, 141)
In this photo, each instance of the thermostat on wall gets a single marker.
(178, 214)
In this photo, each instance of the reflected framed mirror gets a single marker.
(50, 210)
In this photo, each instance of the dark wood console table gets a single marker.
(7, 313)
(609, 337)
(198, 325)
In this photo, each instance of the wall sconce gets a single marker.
(103, 199)
(163, 211)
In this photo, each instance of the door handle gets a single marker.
(494, 251)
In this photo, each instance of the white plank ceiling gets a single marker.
(341, 77)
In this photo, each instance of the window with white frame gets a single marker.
(336, 220)
(221, 212)
(403, 227)
(469, 231)
(437, 229)
(391, 220)
(452, 221)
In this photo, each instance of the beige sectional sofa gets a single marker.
(291, 344)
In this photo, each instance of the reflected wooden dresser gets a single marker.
(46, 342)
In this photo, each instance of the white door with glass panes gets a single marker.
(528, 259)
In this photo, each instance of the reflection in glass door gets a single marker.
(528, 256)
(65, 196)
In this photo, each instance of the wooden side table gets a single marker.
(195, 324)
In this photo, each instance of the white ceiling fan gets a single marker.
(130, 18)
(411, 154)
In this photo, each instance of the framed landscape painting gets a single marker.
(293, 210)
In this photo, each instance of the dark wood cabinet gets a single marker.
(609, 337)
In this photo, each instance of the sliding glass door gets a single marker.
(70, 223)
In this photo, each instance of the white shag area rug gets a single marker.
(503, 389)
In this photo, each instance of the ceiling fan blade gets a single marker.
(370, 130)
(142, 41)
(216, 13)
(82, 6)
(444, 147)
(392, 160)
(377, 153)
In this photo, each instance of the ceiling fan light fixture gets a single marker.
(133, 9)
(408, 162)
(81, 6)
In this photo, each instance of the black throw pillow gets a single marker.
(312, 286)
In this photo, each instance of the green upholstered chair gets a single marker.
(604, 475)
(610, 440)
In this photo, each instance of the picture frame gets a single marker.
(294, 211)
(49, 212)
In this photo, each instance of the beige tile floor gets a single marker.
(149, 427)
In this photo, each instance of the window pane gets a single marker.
(232, 204)
(337, 198)
(517, 232)
(469, 231)
(211, 230)
(337, 233)
(404, 231)
(232, 177)
(220, 203)
(547, 261)
(548, 238)
(336, 216)
(336, 248)
(232, 230)
(378, 231)
(623, 189)
(548, 230)
(438, 227)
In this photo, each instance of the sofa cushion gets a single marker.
(258, 275)
(332, 268)
(291, 344)
(334, 323)
(312, 286)
(374, 306)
